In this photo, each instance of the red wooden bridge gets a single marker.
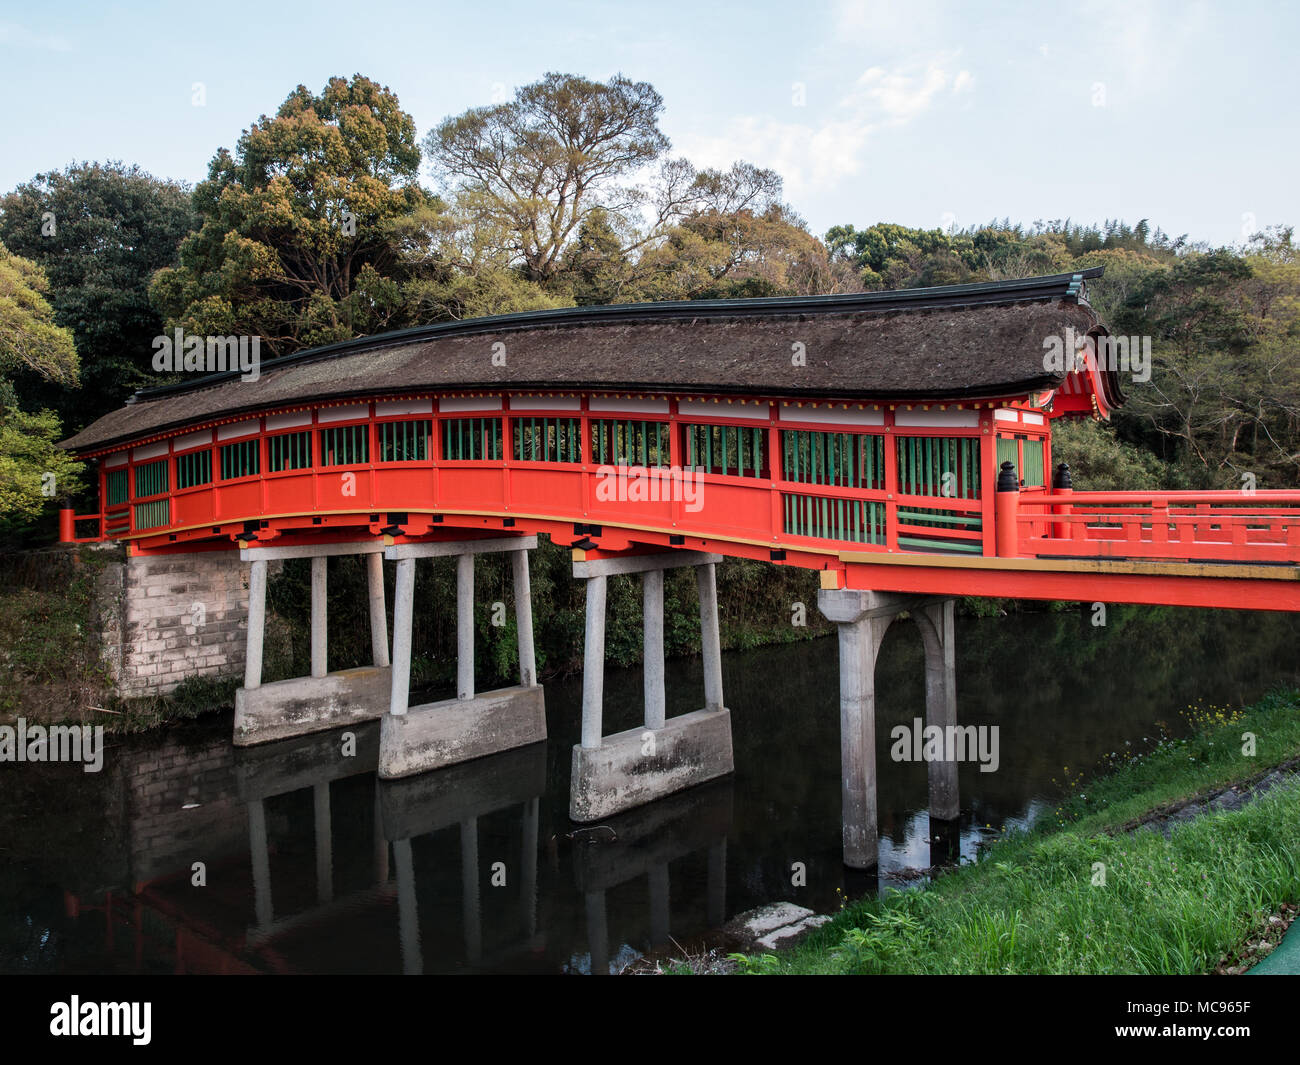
(899, 443)
(858, 435)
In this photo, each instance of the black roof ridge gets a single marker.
(937, 297)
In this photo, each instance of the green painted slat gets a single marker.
(115, 485)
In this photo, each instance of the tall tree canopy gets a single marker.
(99, 231)
(33, 471)
(296, 243)
(532, 170)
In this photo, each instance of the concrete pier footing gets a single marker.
(416, 739)
(324, 700)
(862, 618)
(625, 770)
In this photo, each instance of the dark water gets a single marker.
(312, 865)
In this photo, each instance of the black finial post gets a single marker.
(1007, 479)
(1062, 480)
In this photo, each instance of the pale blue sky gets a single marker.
(924, 112)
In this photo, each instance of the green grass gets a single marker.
(1035, 902)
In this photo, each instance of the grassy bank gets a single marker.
(1086, 893)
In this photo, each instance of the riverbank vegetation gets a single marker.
(1099, 887)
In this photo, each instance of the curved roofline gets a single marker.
(940, 297)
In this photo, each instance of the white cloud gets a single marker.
(20, 37)
(815, 155)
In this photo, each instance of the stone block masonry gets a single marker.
(166, 618)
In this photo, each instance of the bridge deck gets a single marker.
(895, 497)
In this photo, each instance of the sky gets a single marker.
(924, 113)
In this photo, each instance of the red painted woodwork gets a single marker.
(743, 516)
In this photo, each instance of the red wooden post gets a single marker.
(1063, 484)
(1007, 504)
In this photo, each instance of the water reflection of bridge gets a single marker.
(377, 864)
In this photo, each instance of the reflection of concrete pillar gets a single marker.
(710, 639)
(529, 893)
(403, 608)
(324, 843)
(261, 855)
(597, 933)
(378, 616)
(652, 589)
(469, 880)
(941, 703)
(524, 619)
(408, 918)
(319, 629)
(593, 664)
(716, 911)
(381, 843)
(465, 626)
(256, 623)
(659, 907)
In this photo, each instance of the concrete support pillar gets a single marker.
(256, 623)
(322, 700)
(710, 639)
(524, 619)
(858, 645)
(319, 629)
(941, 702)
(416, 739)
(619, 772)
(378, 615)
(465, 626)
(593, 664)
(408, 918)
(862, 619)
(652, 589)
(403, 609)
(324, 843)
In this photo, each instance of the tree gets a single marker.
(534, 169)
(99, 231)
(744, 253)
(33, 471)
(297, 241)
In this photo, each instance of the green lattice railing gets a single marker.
(548, 439)
(152, 515)
(629, 442)
(288, 451)
(151, 479)
(404, 441)
(729, 450)
(241, 459)
(847, 460)
(471, 439)
(860, 521)
(345, 445)
(115, 486)
(939, 466)
(193, 469)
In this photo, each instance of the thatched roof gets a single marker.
(951, 343)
